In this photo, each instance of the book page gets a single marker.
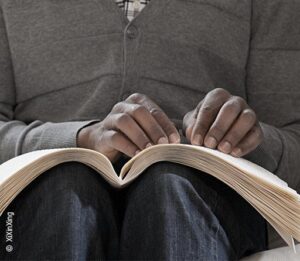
(271, 196)
(16, 164)
(184, 153)
(20, 171)
(245, 166)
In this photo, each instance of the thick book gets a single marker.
(269, 195)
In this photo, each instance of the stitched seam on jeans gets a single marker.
(216, 243)
(215, 254)
(217, 232)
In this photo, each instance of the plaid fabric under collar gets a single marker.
(131, 7)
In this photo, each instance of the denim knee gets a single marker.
(164, 182)
(68, 182)
(71, 207)
(165, 203)
(168, 177)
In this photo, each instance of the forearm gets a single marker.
(17, 138)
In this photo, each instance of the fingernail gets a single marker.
(137, 152)
(197, 139)
(211, 142)
(237, 152)
(148, 145)
(174, 138)
(163, 140)
(225, 147)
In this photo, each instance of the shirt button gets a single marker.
(136, 4)
(132, 32)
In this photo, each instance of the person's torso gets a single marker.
(73, 60)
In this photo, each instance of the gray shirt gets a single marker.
(65, 63)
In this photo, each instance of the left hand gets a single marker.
(225, 122)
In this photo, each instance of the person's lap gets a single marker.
(169, 212)
(62, 215)
(196, 203)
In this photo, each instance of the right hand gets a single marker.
(131, 126)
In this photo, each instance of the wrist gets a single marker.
(84, 136)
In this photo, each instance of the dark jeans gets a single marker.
(171, 212)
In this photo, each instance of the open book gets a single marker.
(269, 195)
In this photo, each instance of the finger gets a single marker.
(238, 131)
(147, 122)
(124, 123)
(188, 124)
(226, 117)
(119, 142)
(189, 121)
(207, 114)
(166, 124)
(161, 118)
(253, 138)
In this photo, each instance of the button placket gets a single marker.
(131, 33)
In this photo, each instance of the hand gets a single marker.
(131, 126)
(225, 122)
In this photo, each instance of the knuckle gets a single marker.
(201, 127)
(113, 136)
(155, 111)
(249, 115)
(122, 119)
(238, 101)
(233, 105)
(233, 135)
(155, 130)
(217, 131)
(118, 107)
(138, 110)
(136, 97)
(208, 110)
(220, 92)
